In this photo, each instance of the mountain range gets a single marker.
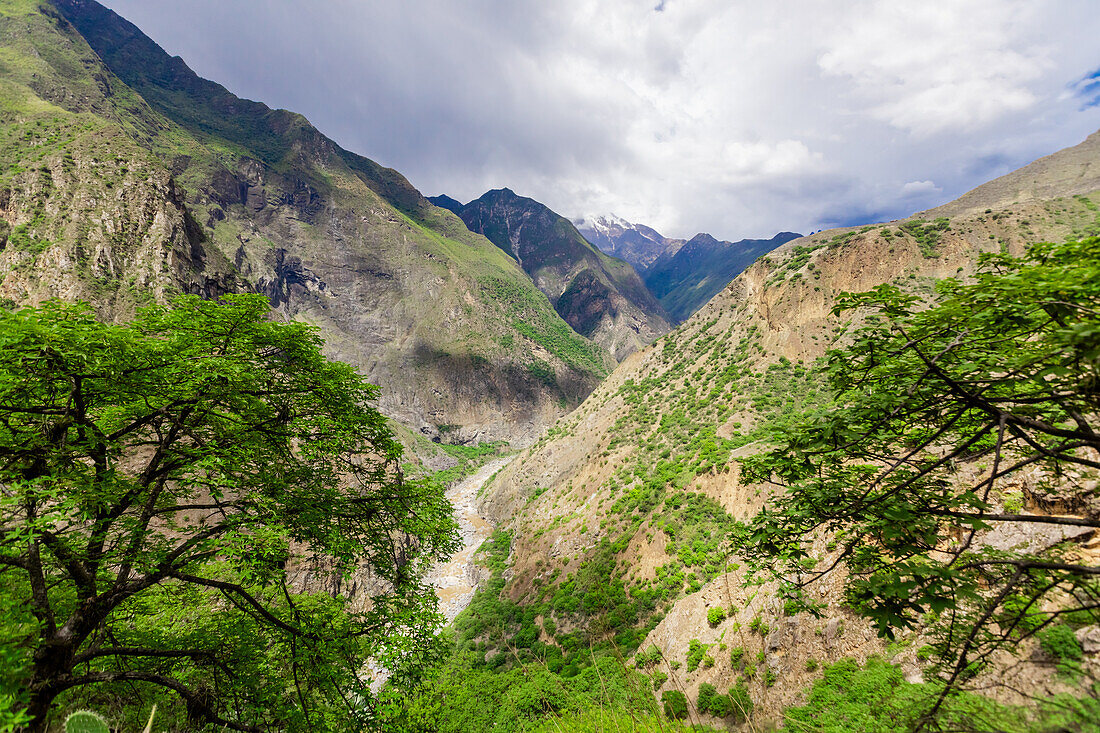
(601, 297)
(682, 274)
(126, 179)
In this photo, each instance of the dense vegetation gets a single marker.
(937, 414)
(162, 481)
(875, 698)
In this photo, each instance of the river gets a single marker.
(455, 580)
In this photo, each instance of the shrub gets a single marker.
(741, 703)
(737, 655)
(716, 615)
(1060, 643)
(707, 693)
(675, 703)
(696, 651)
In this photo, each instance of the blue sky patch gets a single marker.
(1087, 88)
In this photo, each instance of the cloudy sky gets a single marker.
(736, 117)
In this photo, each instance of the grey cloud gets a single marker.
(652, 111)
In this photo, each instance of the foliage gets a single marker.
(675, 704)
(1059, 641)
(696, 651)
(926, 234)
(509, 632)
(875, 698)
(1002, 374)
(464, 694)
(741, 703)
(159, 479)
(602, 720)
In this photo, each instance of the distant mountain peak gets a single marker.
(601, 298)
(444, 201)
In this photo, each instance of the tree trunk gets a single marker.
(39, 709)
(53, 665)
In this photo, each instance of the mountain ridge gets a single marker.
(641, 480)
(600, 296)
(464, 346)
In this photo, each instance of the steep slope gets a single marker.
(128, 178)
(636, 243)
(1068, 172)
(86, 213)
(688, 278)
(626, 503)
(599, 296)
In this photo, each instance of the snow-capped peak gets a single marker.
(608, 224)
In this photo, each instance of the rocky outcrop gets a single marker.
(102, 221)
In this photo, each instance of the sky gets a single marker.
(737, 118)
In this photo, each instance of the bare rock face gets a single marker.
(103, 221)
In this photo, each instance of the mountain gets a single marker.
(446, 202)
(619, 517)
(127, 178)
(636, 243)
(686, 279)
(601, 297)
(682, 274)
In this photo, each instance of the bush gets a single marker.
(716, 615)
(737, 655)
(675, 703)
(707, 693)
(1060, 643)
(696, 651)
(741, 703)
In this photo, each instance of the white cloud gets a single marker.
(738, 118)
(929, 67)
(915, 189)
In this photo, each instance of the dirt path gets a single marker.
(456, 580)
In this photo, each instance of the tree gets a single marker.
(937, 414)
(161, 478)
